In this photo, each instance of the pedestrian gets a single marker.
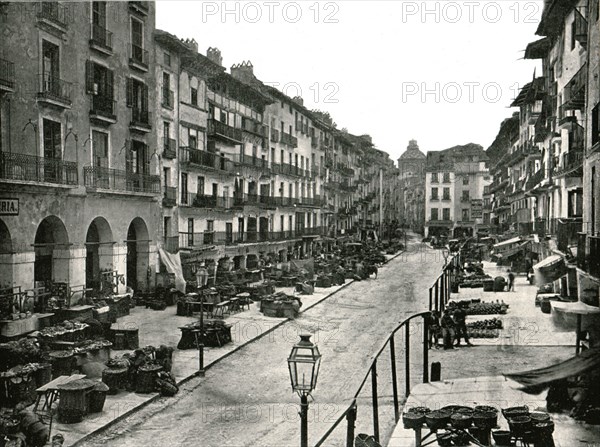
(447, 324)
(433, 322)
(460, 317)
(511, 281)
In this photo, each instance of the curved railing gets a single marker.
(439, 294)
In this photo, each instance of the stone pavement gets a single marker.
(472, 376)
(162, 327)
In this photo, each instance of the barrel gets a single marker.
(63, 363)
(73, 400)
(146, 378)
(115, 379)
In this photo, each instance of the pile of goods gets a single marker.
(66, 331)
(91, 345)
(25, 350)
(478, 307)
(212, 333)
(535, 427)
(280, 305)
(484, 328)
(460, 424)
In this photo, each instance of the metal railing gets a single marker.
(289, 139)
(138, 55)
(168, 98)
(274, 135)
(206, 159)
(103, 106)
(101, 37)
(142, 6)
(7, 74)
(251, 160)
(206, 201)
(169, 148)
(54, 88)
(441, 291)
(140, 117)
(566, 233)
(118, 180)
(54, 13)
(37, 169)
(170, 196)
(198, 239)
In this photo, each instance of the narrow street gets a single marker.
(246, 399)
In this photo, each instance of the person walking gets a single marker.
(447, 324)
(433, 322)
(460, 320)
(511, 281)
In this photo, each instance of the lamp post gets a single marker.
(303, 363)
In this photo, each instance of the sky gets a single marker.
(440, 72)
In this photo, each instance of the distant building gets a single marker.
(411, 187)
(454, 184)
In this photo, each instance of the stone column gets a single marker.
(120, 263)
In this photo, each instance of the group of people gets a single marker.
(452, 326)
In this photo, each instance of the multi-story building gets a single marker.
(411, 187)
(79, 164)
(454, 184)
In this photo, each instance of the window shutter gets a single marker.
(110, 92)
(89, 76)
(129, 92)
(145, 97)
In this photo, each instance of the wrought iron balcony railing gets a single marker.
(289, 140)
(101, 37)
(274, 135)
(140, 118)
(118, 180)
(54, 13)
(170, 148)
(206, 159)
(170, 196)
(168, 99)
(7, 74)
(103, 106)
(37, 169)
(138, 56)
(219, 129)
(207, 201)
(55, 89)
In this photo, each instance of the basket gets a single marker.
(485, 419)
(519, 424)
(97, 397)
(437, 419)
(62, 363)
(413, 420)
(146, 379)
(461, 420)
(502, 437)
(515, 411)
(539, 416)
(115, 379)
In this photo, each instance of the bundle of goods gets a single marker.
(91, 345)
(415, 417)
(484, 328)
(212, 333)
(280, 305)
(478, 307)
(19, 383)
(66, 331)
(474, 281)
(25, 350)
(535, 427)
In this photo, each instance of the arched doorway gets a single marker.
(99, 251)
(6, 261)
(138, 257)
(51, 242)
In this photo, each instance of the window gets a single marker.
(446, 195)
(137, 95)
(434, 177)
(200, 189)
(137, 40)
(194, 96)
(434, 214)
(465, 180)
(50, 66)
(190, 228)
(434, 194)
(210, 226)
(100, 149)
(100, 82)
(166, 132)
(281, 223)
(596, 124)
(184, 188)
(446, 177)
(573, 32)
(465, 196)
(192, 140)
(52, 140)
(167, 95)
(167, 59)
(465, 215)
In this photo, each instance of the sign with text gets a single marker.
(476, 209)
(9, 207)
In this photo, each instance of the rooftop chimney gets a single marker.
(412, 145)
(191, 44)
(298, 100)
(214, 54)
(243, 71)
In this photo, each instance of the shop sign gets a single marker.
(9, 207)
(476, 209)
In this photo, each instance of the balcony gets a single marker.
(140, 120)
(117, 180)
(172, 244)
(53, 15)
(581, 251)
(315, 141)
(255, 128)
(7, 76)
(446, 198)
(102, 109)
(55, 92)
(311, 202)
(465, 199)
(206, 159)
(101, 40)
(439, 223)
(287, 169)
(289, 140)
(139, 7)
(574, 91)
(252, 160)
(138, 58)
(207, 201)
(169, 148)
(572, 163)
(274, 135)
(169, 196)
(217, 129)
(581, 27)
(30, 168)
(566, 233)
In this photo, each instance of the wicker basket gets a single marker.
(97, 397)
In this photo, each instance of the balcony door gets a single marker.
(50, 68)
(52, 151)
(100, 158)
(138, 165)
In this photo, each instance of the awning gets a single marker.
(538, 379)
(514, 240)
(577, 308)
(173, 264)
(515, 250)
(550, 269)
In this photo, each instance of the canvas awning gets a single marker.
(173, 264)
(539, 378)
(514, 240)
(577, 308)
(550, 269)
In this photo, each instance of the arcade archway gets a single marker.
(99, 251)
(138, 257)
(51, 247)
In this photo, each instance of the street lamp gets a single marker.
(304, 362)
